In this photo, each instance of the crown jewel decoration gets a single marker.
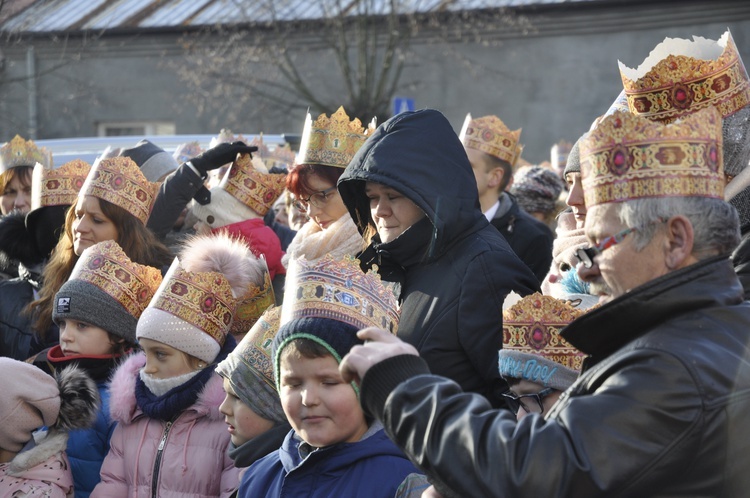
(255, 347)
(629, 157)
(332, 141)
(490, 135)
(58, 186)
(119, 180)
(338, 290)
(20, 152)
(681, 76)
(202, 299)
(253, 304)
(255, 189)
(106, 266)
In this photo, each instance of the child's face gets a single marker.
(165, 362)
(244, 424)
(320, 406)
(80, 338)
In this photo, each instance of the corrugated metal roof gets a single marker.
(63, 15)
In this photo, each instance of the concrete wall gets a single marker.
(552, 80)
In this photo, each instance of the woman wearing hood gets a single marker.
(412, 193)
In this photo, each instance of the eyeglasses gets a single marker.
(318, 199)
(531, 403)
(586, 255)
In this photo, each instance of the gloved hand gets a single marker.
(219, 156)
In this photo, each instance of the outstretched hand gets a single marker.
(379, 345)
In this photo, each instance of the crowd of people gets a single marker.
(392, 311)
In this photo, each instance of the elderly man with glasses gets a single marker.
(661, 406)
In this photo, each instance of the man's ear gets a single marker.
(679, 243)
(495, 177)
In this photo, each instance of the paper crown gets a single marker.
(226, 136)
(532, 346)
(255, 347)
(490, 135)
(253, 304)
(58, 186)
(681, 76)
(185, 152)
(559, 154)
(280, 156)
(20, 152)
(338, 290)
(202, 299)
(253, 188)
(119, 180)
(106, 266)
(628, 157)
(332, 141)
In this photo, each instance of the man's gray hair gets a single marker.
(715, 222)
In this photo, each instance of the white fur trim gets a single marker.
(54, 442)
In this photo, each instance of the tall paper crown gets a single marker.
(119, 180)
(106, 266)
(20, 152)
(338, 290)
(490, 135)
(59, 186)
(253, 304)
(253, 188)
(559, 154)
(332, 141)
(628, 157)
(202, 299)
(255, 347)
(531, 330)
(681, 76)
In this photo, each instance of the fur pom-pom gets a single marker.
(79, 399)
(224, 254)
(16, 242)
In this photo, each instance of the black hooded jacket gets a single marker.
(455, 269)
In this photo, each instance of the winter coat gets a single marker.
(529, 238)
(174, 194)
(741, 261)
(148, 457)
(454, 267)
(373, 467)
(41, 471)
(16, 333)
(661, 408)
(261, 239)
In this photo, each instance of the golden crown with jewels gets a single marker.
(58, 186)
(255, 189)
(629, 157)
(332, 141)
(20, 152)
(490, 135)
(253, 304)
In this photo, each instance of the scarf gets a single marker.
(339, 239)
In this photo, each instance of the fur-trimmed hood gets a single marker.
(48, 444)
(124, 409)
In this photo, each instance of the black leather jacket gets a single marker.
(661, 409)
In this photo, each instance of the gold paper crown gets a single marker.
(226, 136)
(338, 290)
(332, 141)
(119, 180)
(185, 152)
(202, 299)
(252, 305)
(490, 135)
(59, 186)
(677, 85)
(533, 325)
(106, 266)
(280, 156)
(628, 157)
(255, 347)
(559, 154)
(20, 152)
(254, 189)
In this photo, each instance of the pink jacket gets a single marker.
(194, 461)
(43, 471)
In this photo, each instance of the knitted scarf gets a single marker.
(339, 239)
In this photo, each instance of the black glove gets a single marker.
(219, 156)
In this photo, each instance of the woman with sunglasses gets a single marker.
(326, 148)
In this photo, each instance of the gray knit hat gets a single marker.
(154, 161)
(574, 159)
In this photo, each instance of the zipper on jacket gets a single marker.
(157, 461)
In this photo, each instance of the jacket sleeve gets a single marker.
(230, 477)
(625, 438)
(113, 473)
(174, 194)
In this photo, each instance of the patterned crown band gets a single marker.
(533, 325)
(106, 266)
(254, 189)
(689, 78)
(332, 141)
(490, 135)
(202, 299)
(255, 347)
(119, 181)
(252, 305)
(628, 157)
(59, 186)
(20, 152)
(339, 290)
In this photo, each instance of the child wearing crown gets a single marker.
(332, 449)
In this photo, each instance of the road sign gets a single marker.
(402, 104)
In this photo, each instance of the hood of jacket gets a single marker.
(419, 154)
(122, 403)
